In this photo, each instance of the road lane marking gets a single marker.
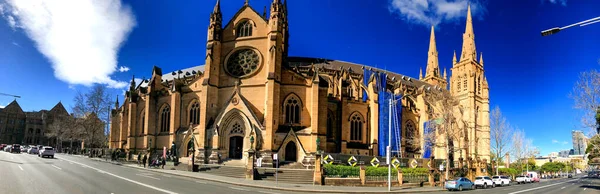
(522, 191)
(20, 167)
(201, 182)
(562, 188)
(56, 167)
(132, 181)
(147, 176)
(239, 189)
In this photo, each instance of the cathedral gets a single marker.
(250, 94)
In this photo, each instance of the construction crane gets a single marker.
(3, 94)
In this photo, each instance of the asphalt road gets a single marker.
(577, 185)
(24, 173)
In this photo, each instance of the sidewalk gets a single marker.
(280, 186)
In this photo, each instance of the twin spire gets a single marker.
(469, 52)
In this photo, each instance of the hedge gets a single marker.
(344, 171)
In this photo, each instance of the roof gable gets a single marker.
(59, 109)
(243, 9)
(13, 107)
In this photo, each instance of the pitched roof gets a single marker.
(337, 65)
(59, 109)
(13, 107)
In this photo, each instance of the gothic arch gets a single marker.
(356, 122)
(164, 120)
(292, 109)
(244, 28)
(193, 112)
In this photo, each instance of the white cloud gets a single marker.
(2, 106)
(123, 69)
(562, 2)
(16, 44)
(433, 12)
(81, 38)
(565, 143)
(554, 141)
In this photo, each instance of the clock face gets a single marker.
(243, 63)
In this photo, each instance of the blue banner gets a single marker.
(428, 133)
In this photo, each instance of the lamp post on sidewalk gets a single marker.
(580, 24)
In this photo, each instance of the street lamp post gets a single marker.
(580, 24)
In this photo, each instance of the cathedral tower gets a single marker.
(432, 72)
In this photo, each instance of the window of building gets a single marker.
(195, 113)
(38, 131)
(411, 136)
(244, 29)
(465, 85)
(356, 126)
(292, 110)
(143, 123)
(243, 62)
(330, 122)
(165, 119)
(458, 85)
(479, 85)
(237, 129)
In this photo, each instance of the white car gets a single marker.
(501, 180)
(484, 182)
(522, 179)
(46, 151)
(32, 150)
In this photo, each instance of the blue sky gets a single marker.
(46, 60)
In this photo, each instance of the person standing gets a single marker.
(139, 159)
(144, 160)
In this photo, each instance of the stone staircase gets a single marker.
(226, 171)
(295, 176)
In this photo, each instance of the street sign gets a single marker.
(413, 163)
(328, 159)
(396, 163)
(352, 161)
(375, 162)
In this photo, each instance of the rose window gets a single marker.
(242, 63)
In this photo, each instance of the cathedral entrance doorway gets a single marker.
(236, 143)
(290, 152)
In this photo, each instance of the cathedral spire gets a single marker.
(421, 73)
(454, 58)
(445, 75)
(481, 59)
(468, 48)
(217, 8)
(433, 68)
(132, 83)
(117, 103)
(246, 3)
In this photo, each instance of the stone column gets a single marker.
(318, 175)
(362, 175)
(400, 178)
(250, 165)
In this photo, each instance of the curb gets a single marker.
(280, 188)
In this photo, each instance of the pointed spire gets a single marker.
(481, 59)
(117, 103)
(217, 8)
(421, 73)
(468, 49)
(246, 3)
(265, 12)
(445, 75)
(454, 58)
(433, 69)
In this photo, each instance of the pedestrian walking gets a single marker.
(163, 162)
(139, 159)
(144, 160)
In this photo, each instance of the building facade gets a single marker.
(27, 128)
(579, 142)
(251, 94)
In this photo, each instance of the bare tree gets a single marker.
(448, 134)
(586, 94)
(500, 135)
(92, 107)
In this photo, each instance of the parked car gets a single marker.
(8, 148)
(484, 182)
(16, 148)
(459, 183)
(501, 180)
(570, 176)
(533, 176)
(46, 151)
(521, 179)
(33, 150)
(2, 146)
(24, 149)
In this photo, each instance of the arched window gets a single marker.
(142, 123)
(165, 119)
(244, 29)
(349, 91)
(458, 84)
(292, 110)
(356, 126)
(479, 85)
(465, 84)
(38, 131)
(195, 113)
(411, 136)
(237, 128)
(330, 123)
